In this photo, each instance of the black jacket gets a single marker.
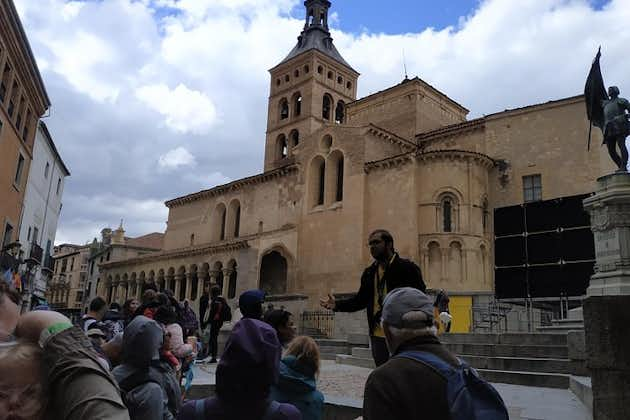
(204, 302)
(400, 273)
(407, 389)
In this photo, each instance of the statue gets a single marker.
(609, 112)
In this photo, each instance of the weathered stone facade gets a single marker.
(404, 159)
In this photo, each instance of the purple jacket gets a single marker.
(247, 370)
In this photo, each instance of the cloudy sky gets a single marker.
(153, 99)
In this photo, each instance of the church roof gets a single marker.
(316, 38)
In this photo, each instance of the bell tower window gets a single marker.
(284, 109)
(297, 104)
(326, 106)
(340, 112)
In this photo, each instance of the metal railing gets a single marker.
(318, 323)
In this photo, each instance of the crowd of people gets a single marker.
(129, 362)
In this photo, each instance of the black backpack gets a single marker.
(226, 312)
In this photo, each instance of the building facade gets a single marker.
(23, 99)
(405, 159)
(66, 290)
(40, 214)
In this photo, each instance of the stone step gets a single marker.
(545, 380)
(328, 356)
(362, 352)
(522, 364)
(568, 322)
(559, 329)
(331, 342)
(346, 359)
(507, 350)
(583, 389)
(334, 349)
(537, 339)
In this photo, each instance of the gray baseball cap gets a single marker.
(401, 301)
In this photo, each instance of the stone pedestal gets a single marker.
(606, 309)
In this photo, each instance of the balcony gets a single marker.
(48, 265)
(36, 254)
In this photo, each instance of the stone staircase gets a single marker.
(519, 358)
(573, 321)
(330, 348)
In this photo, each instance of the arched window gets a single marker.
(340, 112)
(334, 185)
(297, 104)
(234, 218)
(232, 280)
(330, 75)
(447, 215)
(317, 175)
(237, 222)
(284, 109)
(339, 192)
(273, 273)
(220, 216)
(295, 138)
(283, 147)
(326, 106)
(192, 239)
(484, 216)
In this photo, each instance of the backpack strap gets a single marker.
(272, 409)
(200, 409)
(431, 360)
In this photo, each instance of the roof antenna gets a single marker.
(405, 64)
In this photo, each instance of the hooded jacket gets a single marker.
(150, 386)
(245, 374)
(296, 385)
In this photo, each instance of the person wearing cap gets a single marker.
(403, 388)
(251, 303)
(386, 273)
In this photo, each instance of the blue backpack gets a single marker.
(469, 396)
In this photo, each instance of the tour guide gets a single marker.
(387, 273)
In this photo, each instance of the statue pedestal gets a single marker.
(606, 309)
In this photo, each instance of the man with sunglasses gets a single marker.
(386, 273)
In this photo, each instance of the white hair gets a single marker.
(416, 326)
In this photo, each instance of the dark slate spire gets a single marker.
(316, 34)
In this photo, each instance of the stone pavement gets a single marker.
(524, 402)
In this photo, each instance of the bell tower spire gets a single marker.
(316, 14)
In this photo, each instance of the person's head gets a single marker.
(206, 289)
(165, 315)
(10, 301)
(381, 244)
(98, 308)
(162, 299)
(306, 352)
(215, 292)
(613, 92)
(250, 362)
(280, 320)
(96, 336)
(130, 306)
(148, 296)
(114, 306)
(250, 303)
(22, 393)
(142, 342)
(407, 314)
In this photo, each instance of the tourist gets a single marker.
(150, 303)
(245, 374)
(297, 384)
(78, 385)
(96, 312)
(190, 324)
(281, 321)
(22, 393)
(129, 309)
(251, 302)
(150, 386)
(112, 322)
(441, 311)
(411, 384)
(216, 315)
(387, 273)
(97, 338)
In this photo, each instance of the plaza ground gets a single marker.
(345, 382)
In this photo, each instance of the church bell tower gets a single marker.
(309, 88)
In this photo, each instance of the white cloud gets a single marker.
(175, 158)
(119, 71)
(185, 110)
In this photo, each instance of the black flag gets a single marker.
(594, 94)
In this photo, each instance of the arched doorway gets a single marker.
(273, 273)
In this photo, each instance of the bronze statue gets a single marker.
(609, 112)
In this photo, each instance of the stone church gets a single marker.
(405, 159)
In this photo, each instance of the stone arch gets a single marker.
(283, 109)
(234, 219)
(455, 263)
(160, 280)
(124, 282)
(294, 138)
(447, 207)
(434, 252)
(335, 176)
(317, 178)
(219, 222)
(170, 279)
(132, 289)
(181, 278)
(194, 282)
(204, 275)
(217, 274)
(231, 289)
(274, 270)
(296, 102)
(327, 105)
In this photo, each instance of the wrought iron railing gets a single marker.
(318, 323)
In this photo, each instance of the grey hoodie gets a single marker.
(150, 386)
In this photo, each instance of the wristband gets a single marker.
(52, 330)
